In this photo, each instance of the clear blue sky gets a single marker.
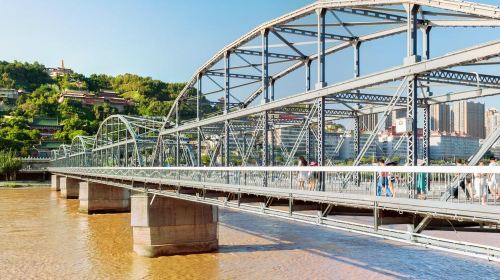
(166, 40)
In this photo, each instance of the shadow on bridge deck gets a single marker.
(342, 251)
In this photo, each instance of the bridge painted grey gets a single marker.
(230, 157)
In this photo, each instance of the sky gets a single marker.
(166, 40)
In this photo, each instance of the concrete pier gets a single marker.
(69, 187)
(168, 226)
(99, 198)
(54, 182)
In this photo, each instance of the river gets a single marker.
(44, 237)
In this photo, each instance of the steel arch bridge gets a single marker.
(295, 75)
(243, 77)
(125, 141)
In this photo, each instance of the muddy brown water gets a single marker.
(44, 237)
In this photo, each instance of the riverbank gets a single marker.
(23, 184)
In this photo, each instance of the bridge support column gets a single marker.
(54, 182)
(169, 226)
(69, 187)
(100, 198)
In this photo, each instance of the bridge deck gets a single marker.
(314, 207)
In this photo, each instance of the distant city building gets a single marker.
(46, 125)
(496, 149)
(286, 138)
(59, 71)
(392, 119)
(452, 145)
(347, 148)
(440, 115)
(492, 120)
(91, 99)
(368, 122)
(468, 118)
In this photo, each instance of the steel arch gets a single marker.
(81, 150)
(243, 131)
(470, 8)
(125, 141)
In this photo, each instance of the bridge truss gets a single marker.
(293, 77)
(251, 80)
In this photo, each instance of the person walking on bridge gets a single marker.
(480, 185)
(383, 180)
(302, 176)
(494, 180)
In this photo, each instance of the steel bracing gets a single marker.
(278, 92)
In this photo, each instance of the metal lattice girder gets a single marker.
(81, 144)
(464, 78)
(273, 55)
(233, 75)
(63, 151)
(365, 98)
(374, 14)
(464, 56)
(472, 9)
(126, 140)
(305, 110)
(312, 33)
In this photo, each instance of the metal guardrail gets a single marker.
(393, 183)
(281, 185)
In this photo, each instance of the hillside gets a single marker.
(40, 97)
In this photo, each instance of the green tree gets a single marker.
(23, 76)
(9, 165)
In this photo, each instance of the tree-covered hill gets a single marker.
(41, 94)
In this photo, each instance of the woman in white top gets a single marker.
(302, 174)
(494, 180)
(480, 185)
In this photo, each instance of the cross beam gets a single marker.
(273, 55)
(233, 75)
(312, 33)
(464, 56)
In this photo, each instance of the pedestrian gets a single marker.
(421, 182)
(313, 177)
(392, 178)
(382, 180)
(302, 176)
(494, 180)
(465, 183)
(481, 186)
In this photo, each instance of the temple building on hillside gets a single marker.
(45, 148)
(59, 71)
(47, 126)
(91, 99)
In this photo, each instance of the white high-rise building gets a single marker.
(491, 120)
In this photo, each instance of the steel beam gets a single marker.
(476, 53)
(265, 87)
(373, 14)
(233, 75)
(273, 55)
(198, 118)
(308, 33)
(321, 13)
(464, 78)
(479, 10)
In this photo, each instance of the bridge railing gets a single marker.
(480, 186)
